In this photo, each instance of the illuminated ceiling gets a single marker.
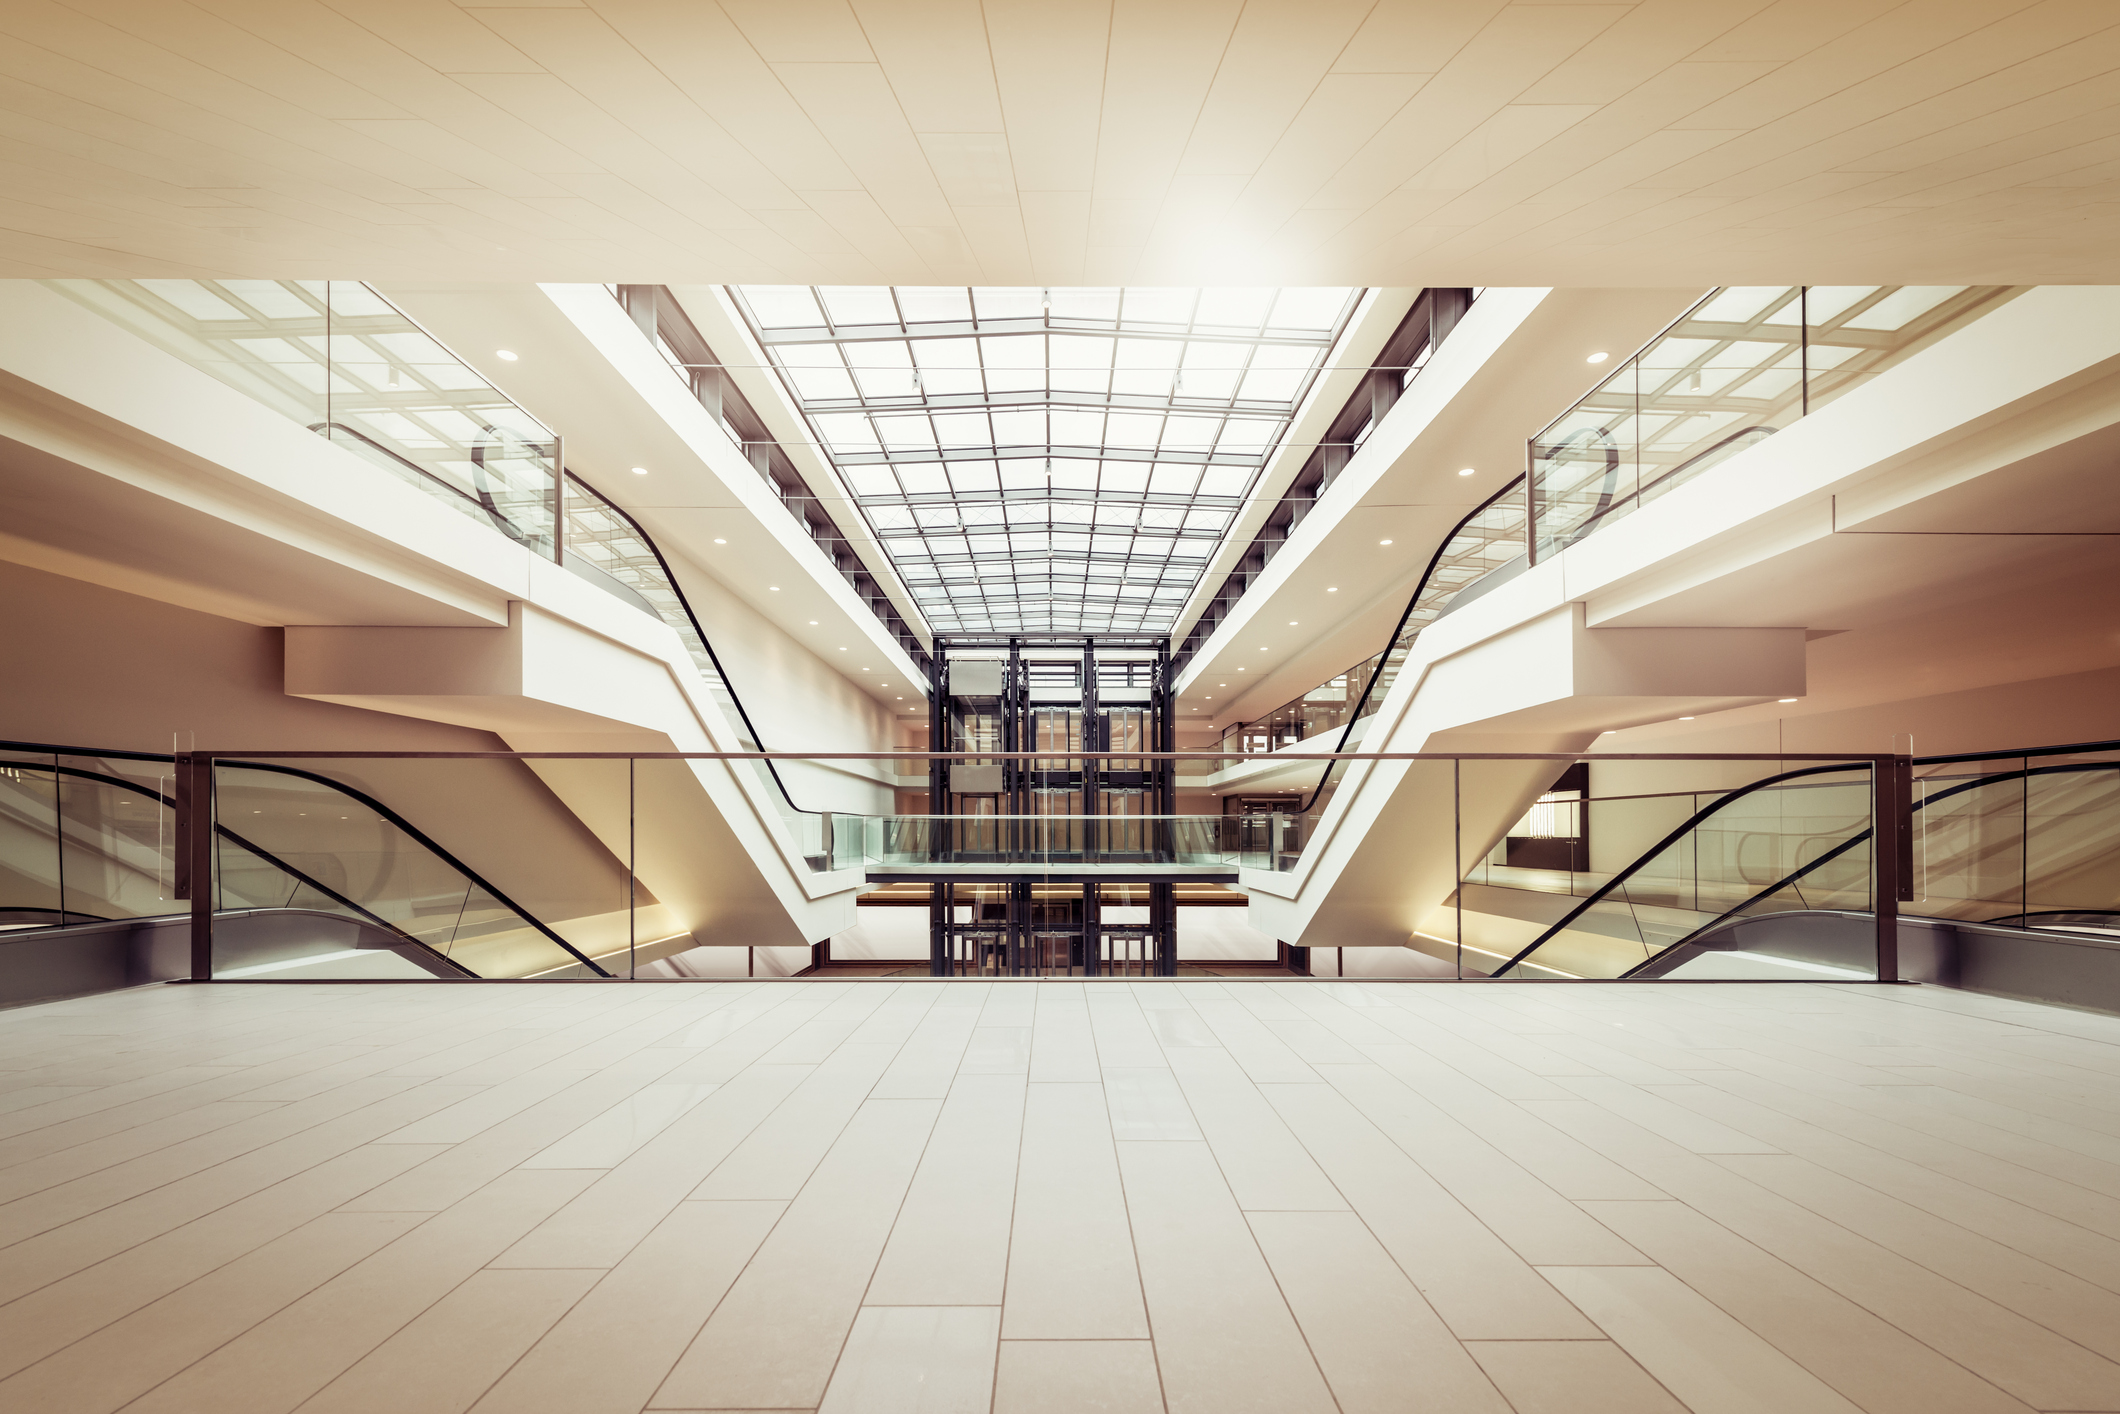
(1047, 460)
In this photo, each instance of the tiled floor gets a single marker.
(865, 1197)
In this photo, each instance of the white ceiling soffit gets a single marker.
(1280, 142)
(1047, 460)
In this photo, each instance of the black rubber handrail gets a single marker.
(363, 797)
(232, 837)
(1413, 602)
(699, 629)
(2071, 768)
(1641, 861)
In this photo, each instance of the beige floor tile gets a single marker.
(442, 1362)
(773, 1340)
(916, 1360)
(1225, 1340)
(102, 1224)
(84, 1275)
(2068, 1245)
(1693, 1348)
(1683, 1126)
(1544, 1228)
(290, 1355)
(1871, 1362)
(998, 1050)
(132, 1355)
(2085, 1313)
(1071, 1272)
(950, 1244)
(1572, 1377)
(2016, 1354)
(1372, 1334)
(1061, 1045)
(609, 1353)
(621, 1205)
(609, 1138)
(1123, 1036)
(479, 1113)
(776, 1158)
(1077, 1377)
(1570, 1169)
(1147, 1104)
(927, 1061)
(1263, 1163)
(1480, 1287)
(1180, 1027)
(1264, 1056)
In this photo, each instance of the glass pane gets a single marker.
(310, 845)
(340, 360)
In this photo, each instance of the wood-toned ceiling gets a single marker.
(1403, 142)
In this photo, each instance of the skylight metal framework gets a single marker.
(1047, 461)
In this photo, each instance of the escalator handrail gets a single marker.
(367, 800)
(1798, 875)
(230, 835)
(697, 627)
(1641, 861)
(1413, 602)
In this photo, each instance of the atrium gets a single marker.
(854, 707)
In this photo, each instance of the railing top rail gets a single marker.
(1852, 758)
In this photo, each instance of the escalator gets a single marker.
(314, 878)
(2015, 887)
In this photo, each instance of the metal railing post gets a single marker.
(1891, 843)
(194, 863)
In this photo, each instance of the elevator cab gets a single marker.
(1046, 859)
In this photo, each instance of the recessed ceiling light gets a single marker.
(1685, 719)
(1613, 732)
(719, 541)
(1788, 699)
(506, 354)
(1262, 650)
(1291, 623)
(1332, 589)
(1383, 542)
(774, 587)
(842, 648)
(1598, 357)
(813, 623)
(1210, 697)
(1466, 472)
(640, 471)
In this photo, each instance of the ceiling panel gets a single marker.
(1278, 143)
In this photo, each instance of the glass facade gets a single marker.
(1053, 461)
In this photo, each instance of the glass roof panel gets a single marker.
(1048, 459)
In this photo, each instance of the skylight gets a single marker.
(1056, 461)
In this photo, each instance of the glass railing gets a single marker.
(1741, 365)
(90, 837)
(1796, 842)
(339, 359)
(2027, 840)
(621, 556)
(2030, 840)
(1187, 841)
(1489, 539)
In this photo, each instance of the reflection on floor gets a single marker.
(874, 1196)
